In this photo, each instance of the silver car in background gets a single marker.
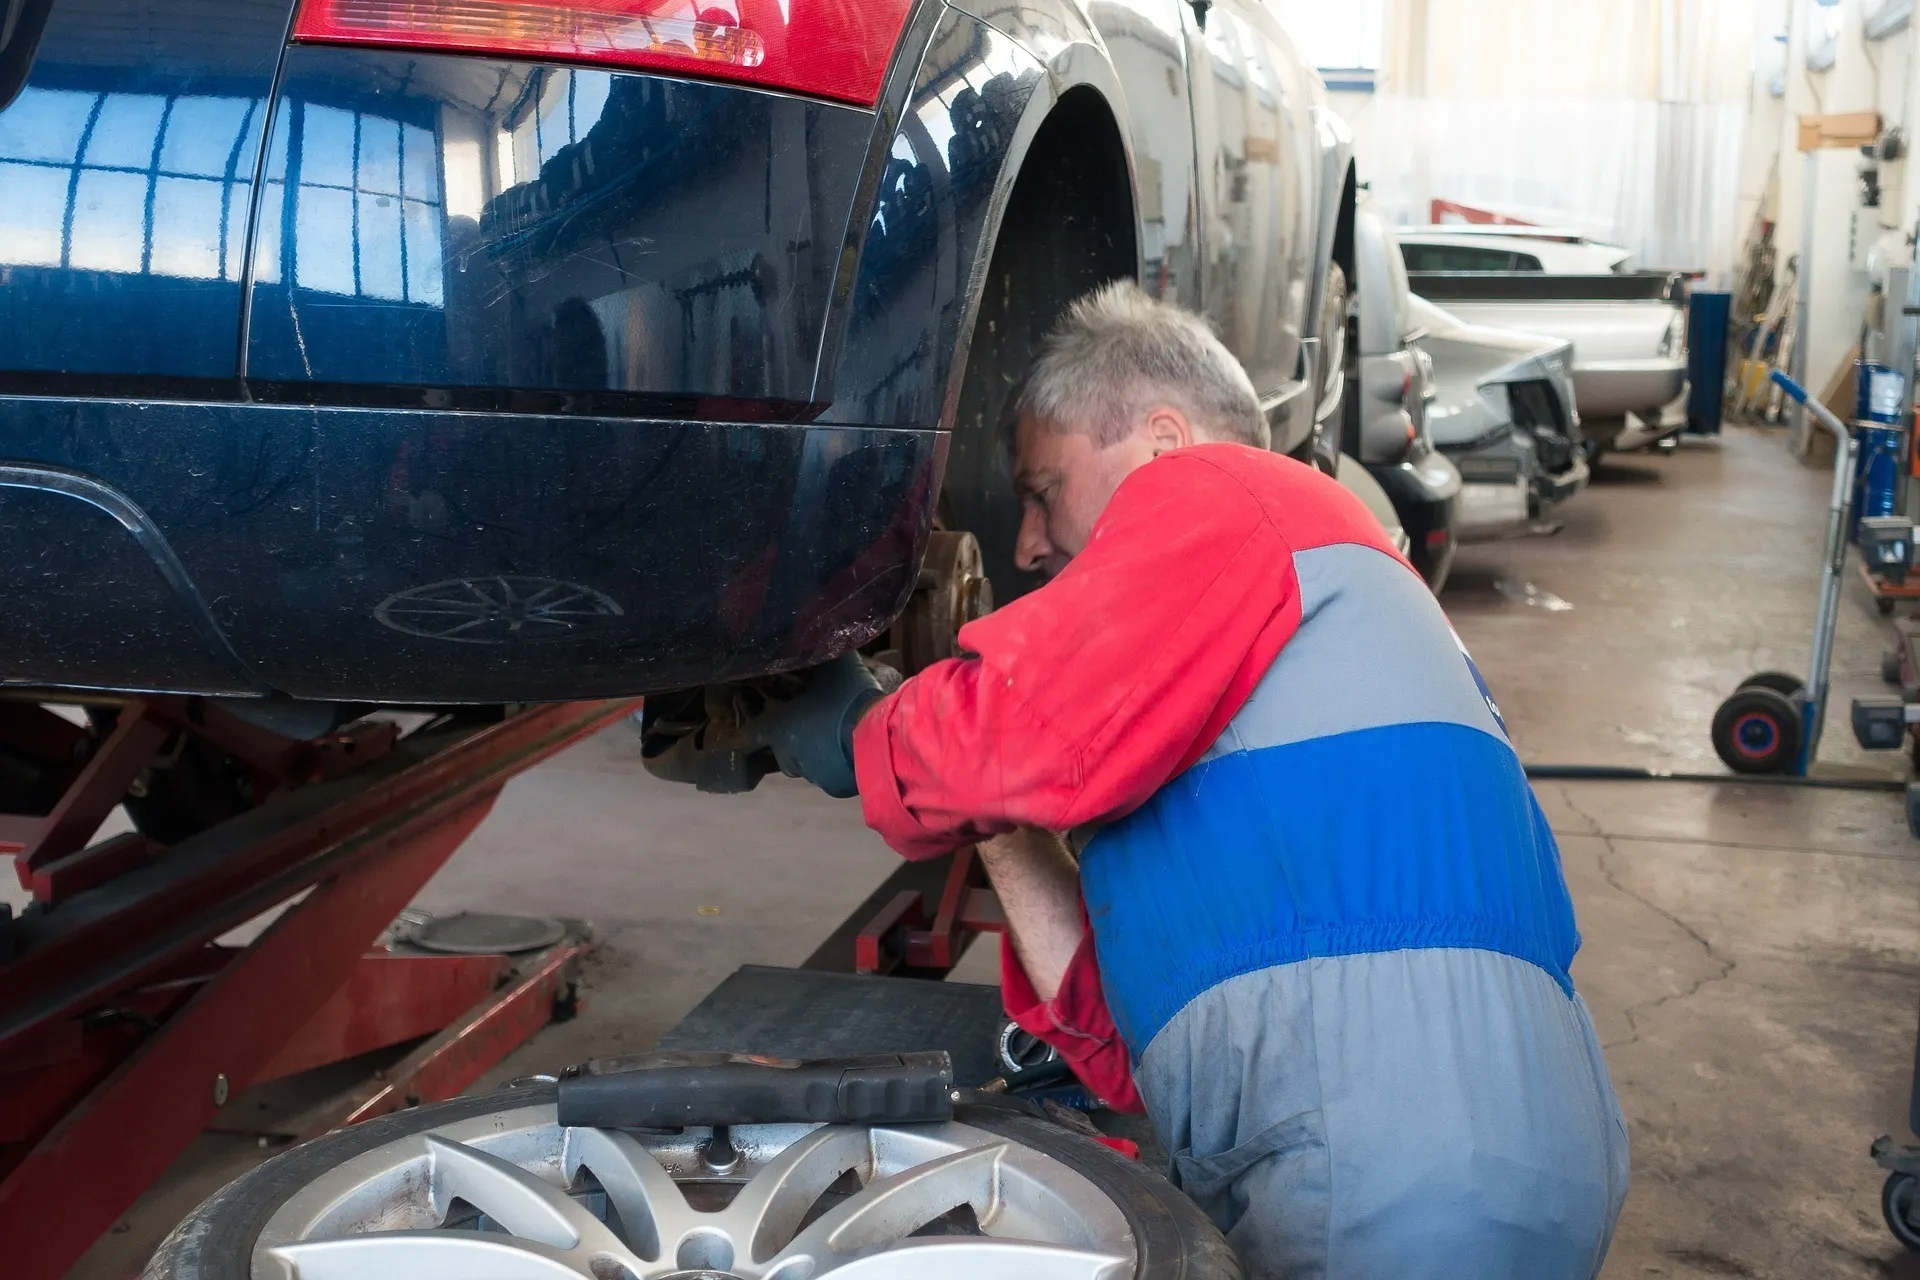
(1629, 328)
(1504, 411)
(1386, 426)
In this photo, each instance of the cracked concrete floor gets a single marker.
(1749, 957)
(1749, 953)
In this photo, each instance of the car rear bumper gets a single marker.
(1424, 493)
(1613, 388)
(406, 556)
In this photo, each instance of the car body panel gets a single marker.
(1628, 328)
(926, 242)
(1360, 482)
(1395, 388)
(442, 221)
(1259, 154)
(127, 164)
(555, 382)
(1394, 385)
(1510, 470)
(1460, 248)
(336, 549)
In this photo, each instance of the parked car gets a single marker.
(1387, 415)
(428, 355)
(1356, 477)
(1465, 247)
(1503, 410)
(1628, 329)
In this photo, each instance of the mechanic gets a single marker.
(1329, 936)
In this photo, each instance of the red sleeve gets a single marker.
(1075, 1022)
(1090, 693)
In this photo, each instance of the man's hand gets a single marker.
(812, 735)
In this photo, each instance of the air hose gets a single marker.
(1624, 773)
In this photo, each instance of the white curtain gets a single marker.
(1621, 118)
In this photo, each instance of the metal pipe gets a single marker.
(1845, 457)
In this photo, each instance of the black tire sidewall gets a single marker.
(215, 1242)
(1896, 1204)
(1781, 682)
(1747, 702)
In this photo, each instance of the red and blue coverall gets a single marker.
(1328, 938)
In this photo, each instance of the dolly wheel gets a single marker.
(1885, 604)
(1778, 681)
(1890, 666)
(1757, 730)
(1897, 1204)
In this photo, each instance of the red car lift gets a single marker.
(125, 1027)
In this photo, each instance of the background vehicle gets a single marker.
(1465, 247)
(1628, 329)
(430, 357)
(1387, 417)
(1503, 410)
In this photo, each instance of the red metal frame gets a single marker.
(1467, 213)
(124, 1030)
(905, 934)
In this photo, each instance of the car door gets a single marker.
(1147, 45)
(1257, 192)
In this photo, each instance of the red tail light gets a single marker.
(827, 48)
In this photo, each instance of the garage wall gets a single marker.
(1866, 76)
(1623, 118)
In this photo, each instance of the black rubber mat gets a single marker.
(804, 1013)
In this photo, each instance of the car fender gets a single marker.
(1335, 141)
(872, 370)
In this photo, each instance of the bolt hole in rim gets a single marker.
(512, 1195)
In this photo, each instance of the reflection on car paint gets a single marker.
(127, 162)
(929, 226)
(463, 222)
(127, 183)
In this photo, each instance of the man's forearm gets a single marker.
(1038, 884)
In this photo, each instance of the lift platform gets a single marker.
(127, 1024)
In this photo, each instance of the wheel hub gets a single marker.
(512, 1195)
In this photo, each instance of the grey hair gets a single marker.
(1119, 352)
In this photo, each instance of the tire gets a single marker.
(1778, 681)
(1757, 731)
(1175, 1241)
(1885, 605)
(1897, 1197)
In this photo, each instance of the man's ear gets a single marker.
(1168, 429)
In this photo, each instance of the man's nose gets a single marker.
(1031, 548)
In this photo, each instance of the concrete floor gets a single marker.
(1749, 957)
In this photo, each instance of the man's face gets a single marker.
(1065, 479)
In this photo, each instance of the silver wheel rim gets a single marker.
(511, 1195)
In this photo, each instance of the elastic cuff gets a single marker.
(880, 805)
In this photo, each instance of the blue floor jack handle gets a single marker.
(1813, 703)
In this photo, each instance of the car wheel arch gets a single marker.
(1076, 169)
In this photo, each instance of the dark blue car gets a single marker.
(441, 351)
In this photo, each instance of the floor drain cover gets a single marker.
(472, 933)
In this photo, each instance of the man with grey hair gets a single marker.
(1313, 919)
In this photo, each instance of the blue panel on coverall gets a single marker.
(1413, 835)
